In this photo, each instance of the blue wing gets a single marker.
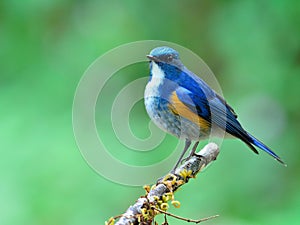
(201, 99)
(215, 111)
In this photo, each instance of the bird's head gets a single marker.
(165, 55)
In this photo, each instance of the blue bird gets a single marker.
(182, 104)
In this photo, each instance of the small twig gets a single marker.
(112, 219)
(185, 219)
(166, 220)
(118, 216)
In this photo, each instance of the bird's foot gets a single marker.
(188, 158)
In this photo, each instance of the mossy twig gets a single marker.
(156, 199)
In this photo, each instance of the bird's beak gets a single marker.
(152, 58)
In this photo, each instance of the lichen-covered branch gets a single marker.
(157, 197)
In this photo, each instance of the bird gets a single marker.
(182, 104)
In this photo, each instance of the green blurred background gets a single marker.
(253, 47)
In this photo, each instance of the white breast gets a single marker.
(157, 80)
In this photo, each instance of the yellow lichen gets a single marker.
(170, 195)
(179, 182)
(143, 210)
(111, 221)
(189, 172)
(176, 204)
(165, 198)
(146, 188)
(145, 213)
(164, 206)
(185, 173)
(168, 176)
(159, 202)
(156, 198)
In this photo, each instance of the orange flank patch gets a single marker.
(179, 108)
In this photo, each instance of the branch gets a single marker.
(155, 201)
(185, 219)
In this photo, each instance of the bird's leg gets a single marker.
(192, 152)
(194, 149)
(186, 147)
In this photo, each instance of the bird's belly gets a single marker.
(160, 113)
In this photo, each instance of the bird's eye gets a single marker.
(169, 58)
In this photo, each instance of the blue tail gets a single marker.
(263, 147)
